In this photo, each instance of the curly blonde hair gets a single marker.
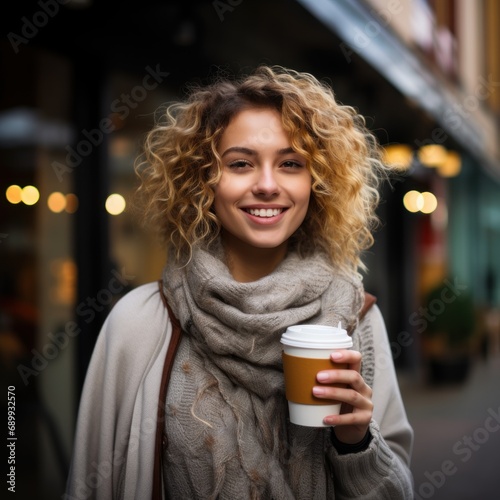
(180, 165)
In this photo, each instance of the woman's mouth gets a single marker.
(264, 212)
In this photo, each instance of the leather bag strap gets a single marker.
(161, 438)
(369, 302)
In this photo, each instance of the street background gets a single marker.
(457, 438)
(81, 81)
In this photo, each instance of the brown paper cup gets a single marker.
(306, 351)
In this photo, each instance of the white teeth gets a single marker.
(265, 212)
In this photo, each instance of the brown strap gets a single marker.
(369, 301)
(161, 438)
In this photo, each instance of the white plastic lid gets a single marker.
(317, 337)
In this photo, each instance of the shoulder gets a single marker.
(141, 300)
(137, 305)
(137, 316)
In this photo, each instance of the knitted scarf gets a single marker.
(226, 412)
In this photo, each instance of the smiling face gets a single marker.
(263, 194)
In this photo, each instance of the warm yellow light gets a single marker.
(62, 287)
(432, 155)
(30, 195)
(398, 156)
(413, 201)
(71, 203)
(56, 202)
(452, 165)
(429, 203)
(115, 204)
(13, 194)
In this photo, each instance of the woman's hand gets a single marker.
(357, 407)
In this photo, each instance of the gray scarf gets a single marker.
(226, 417)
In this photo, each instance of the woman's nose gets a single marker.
(266, 182)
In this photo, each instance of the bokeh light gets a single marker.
(432, 155)
(115, 204)
(451, 166)
(30, 195)
(13, 194)
(429, 203)
(71, 203)
(56, 202)
(398, 156)
(413, 201)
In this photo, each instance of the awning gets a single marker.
(369, 36)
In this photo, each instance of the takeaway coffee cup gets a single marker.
(306, 351)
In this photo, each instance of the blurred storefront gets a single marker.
(81, 83)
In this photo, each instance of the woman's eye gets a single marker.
(292, 164)
(238, 164)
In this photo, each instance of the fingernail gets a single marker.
(329, 421)
(318, 391)
(322, 376)
(336, 355)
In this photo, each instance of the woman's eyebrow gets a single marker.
(285, 151)
(239, 149)
(252, 152)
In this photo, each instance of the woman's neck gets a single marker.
(247, 263)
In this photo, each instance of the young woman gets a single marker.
(264, 190)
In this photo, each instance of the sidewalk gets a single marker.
(456, 452)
